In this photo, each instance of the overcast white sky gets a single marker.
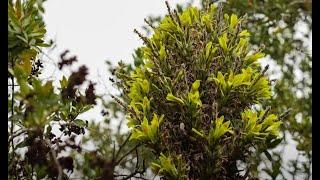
(96, 31)
(99, 30)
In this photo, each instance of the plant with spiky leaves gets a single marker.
(196, 98)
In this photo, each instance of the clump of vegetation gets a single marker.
(196, 97)
(195, 104)
(37, 106)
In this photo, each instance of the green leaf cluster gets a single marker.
(257, 125)
(249, 83)
(204, 77)
(147, 131)
(168, 166)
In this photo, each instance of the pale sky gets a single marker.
(96, 31)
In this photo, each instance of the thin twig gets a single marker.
(13, 85)
(143, 38)
(54, 156)
(12, 106)
(137, 155)
(127, 176)
(127, 154)
(136, 171)
(16, 135)
(169, 11)
(262, 74)
(178, 18)
(149, 23)
(122, 145)
(285, 114)
(113, 151)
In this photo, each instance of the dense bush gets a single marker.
(196, 99)
(285, 27)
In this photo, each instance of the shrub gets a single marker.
(196, 98)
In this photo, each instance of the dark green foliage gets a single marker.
(37, 106)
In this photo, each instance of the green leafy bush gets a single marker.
(199, 73)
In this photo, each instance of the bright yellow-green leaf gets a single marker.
(269, 120)
(135, 93)
(196, 85)
(208, 49)
(155, 124)
(146, 104)
(252, 58)
(145, 85)
(185, 17)
(194, 98)
(179, 76)
(213, 9)
(271, 125)
(241, 46)
(198, 132)
(223, 42)
(145, 126)
(244, 33)
(231, 76)
(146, 131)
(137, 135)
(274, 129)
(138, 73)
(252, 128)
(207, 21)
(219, 130)
(165, 166)
(148, 64)
(233, 21)
(63, 82)
(167, 24)
(220, 78)
(262, 89)
(171, 97)
(226, 17)
(132, 121)
(162, 52)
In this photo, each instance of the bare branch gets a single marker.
(122, 145)
(125, 155)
